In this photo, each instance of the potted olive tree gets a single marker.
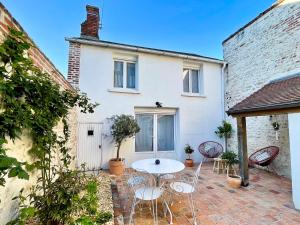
(233, 179)
(188, 150)
(123, 127)
(224, 131)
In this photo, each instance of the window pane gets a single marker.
(118, 74)
(185, 80)
(143, 139)
(165, 133)
(195, 81)
(130, 75)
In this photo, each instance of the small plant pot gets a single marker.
(116, 167)
(234, 181)
(189, 163)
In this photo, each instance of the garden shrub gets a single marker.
(31, 101)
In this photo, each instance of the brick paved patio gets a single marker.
(267, 200)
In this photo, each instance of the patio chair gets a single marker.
(264, 157)
(210, 149)
(145, 190)
(187, 186)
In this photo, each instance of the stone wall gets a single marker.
(265, 49)
(18, 149)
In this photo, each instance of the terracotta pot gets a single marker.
(234, 181)
(116, 167)
(189, 163)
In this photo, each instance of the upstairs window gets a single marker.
(192, 81)
(124, 74)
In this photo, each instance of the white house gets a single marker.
(127, 79)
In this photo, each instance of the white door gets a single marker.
(89, 149)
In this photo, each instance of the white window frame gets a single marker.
(154, 135)
(125, 74)
(187, 65)
(191, 82)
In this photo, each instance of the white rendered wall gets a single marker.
(294, 131)
(159, 79)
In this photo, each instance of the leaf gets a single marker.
(13, 172)
(23, 175)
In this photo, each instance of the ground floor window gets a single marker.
(157, 132)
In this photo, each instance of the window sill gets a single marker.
(193, 95)
(124, 90)
(152, 152)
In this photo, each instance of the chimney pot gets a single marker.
(90, 26)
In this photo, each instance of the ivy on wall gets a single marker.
(31, 101)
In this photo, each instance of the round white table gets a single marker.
(166, 166)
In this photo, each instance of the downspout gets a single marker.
(223, 90)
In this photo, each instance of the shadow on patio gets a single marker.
(267, 200)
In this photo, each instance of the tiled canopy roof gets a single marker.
(278, 94)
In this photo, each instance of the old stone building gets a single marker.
(266, 48)
(18, 149)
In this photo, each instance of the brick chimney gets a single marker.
(90, 27)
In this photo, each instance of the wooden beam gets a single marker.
(267, 112)
(242, 147)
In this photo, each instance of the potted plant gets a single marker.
(224, 131)
(123, 127)
(188, 150)
(233, 179)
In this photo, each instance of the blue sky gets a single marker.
(197, 26)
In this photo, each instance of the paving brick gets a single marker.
(269, 201)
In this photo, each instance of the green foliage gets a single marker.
(70, 199)
(90, 200)
(103, 217)
(124, 126)
(276, 126)
(10, 166)
(31, 100)
(188, 150)
(60, 200)
(231, 157)
(224, 131)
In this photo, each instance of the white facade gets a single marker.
(158, 79)
(294, 130)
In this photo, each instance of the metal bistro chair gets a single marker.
(187, 185)
(145, 190)
(210, 149)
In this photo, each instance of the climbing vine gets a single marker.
(30, 101)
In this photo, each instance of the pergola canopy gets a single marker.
(277, 97)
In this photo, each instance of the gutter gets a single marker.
(142, 50)
(223, 90)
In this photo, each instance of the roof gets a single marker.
(255, 19)
(129, 47)
(279, 94)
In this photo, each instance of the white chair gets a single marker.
(146, 190)
(187, 185)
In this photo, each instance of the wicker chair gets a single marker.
(264, 156)
(210, 149)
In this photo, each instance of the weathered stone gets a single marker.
(267, 49)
